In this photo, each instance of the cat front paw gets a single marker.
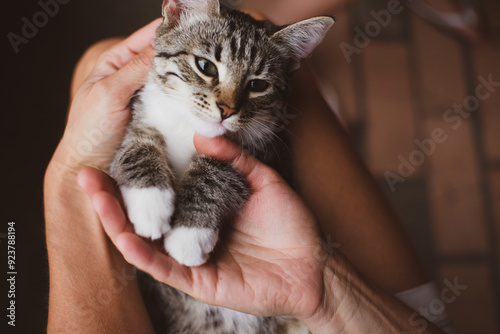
(190, 246)
(149, 210)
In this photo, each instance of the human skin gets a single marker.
(86, 293)
(289, 11)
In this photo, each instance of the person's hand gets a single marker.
(270, 259)
(83, 263)
(100, 112)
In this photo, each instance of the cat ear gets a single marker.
(173, 10)
(300, 39)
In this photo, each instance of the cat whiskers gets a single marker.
(268, 132)
(255, 135)
(249, 142)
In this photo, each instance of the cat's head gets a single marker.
(232, 70)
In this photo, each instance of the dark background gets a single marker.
(35, 90)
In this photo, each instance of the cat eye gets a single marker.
(207, 67)
(257, 85)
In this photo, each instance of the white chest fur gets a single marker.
(172, 118)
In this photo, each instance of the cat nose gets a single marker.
(225, 111)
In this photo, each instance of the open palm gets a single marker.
(268, 262)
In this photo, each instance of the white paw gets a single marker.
(149, 210)
(190, 246)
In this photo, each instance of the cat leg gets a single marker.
(145, 179)
(210, 193)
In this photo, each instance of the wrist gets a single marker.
(85, 267)
(74, 153)
(349, 304)
(331, 312)
(71, 223)
(61, 190)
(352, 305)
(65, 164)
(59, 175)
(69, 213)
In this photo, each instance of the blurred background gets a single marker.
(398, 89)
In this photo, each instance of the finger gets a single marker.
(221, 148)
(93, 180)
(162, 267)
(255, 14)
(122, 53)
(136, 250)
(111, 214)
(124, 83)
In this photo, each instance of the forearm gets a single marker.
(344, 197)
(92, 289)
(352, 305)
(290, 11)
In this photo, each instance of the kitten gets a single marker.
(217, 72)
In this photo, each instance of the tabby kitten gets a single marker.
(217, 71)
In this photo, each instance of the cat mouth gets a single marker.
(212, 128)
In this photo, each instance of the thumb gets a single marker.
(221, 148)
(127, 80)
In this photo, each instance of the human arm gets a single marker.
(346, 200)
(290, 11)
(353, 305)
(92, 288)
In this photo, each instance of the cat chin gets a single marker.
(211, 130)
